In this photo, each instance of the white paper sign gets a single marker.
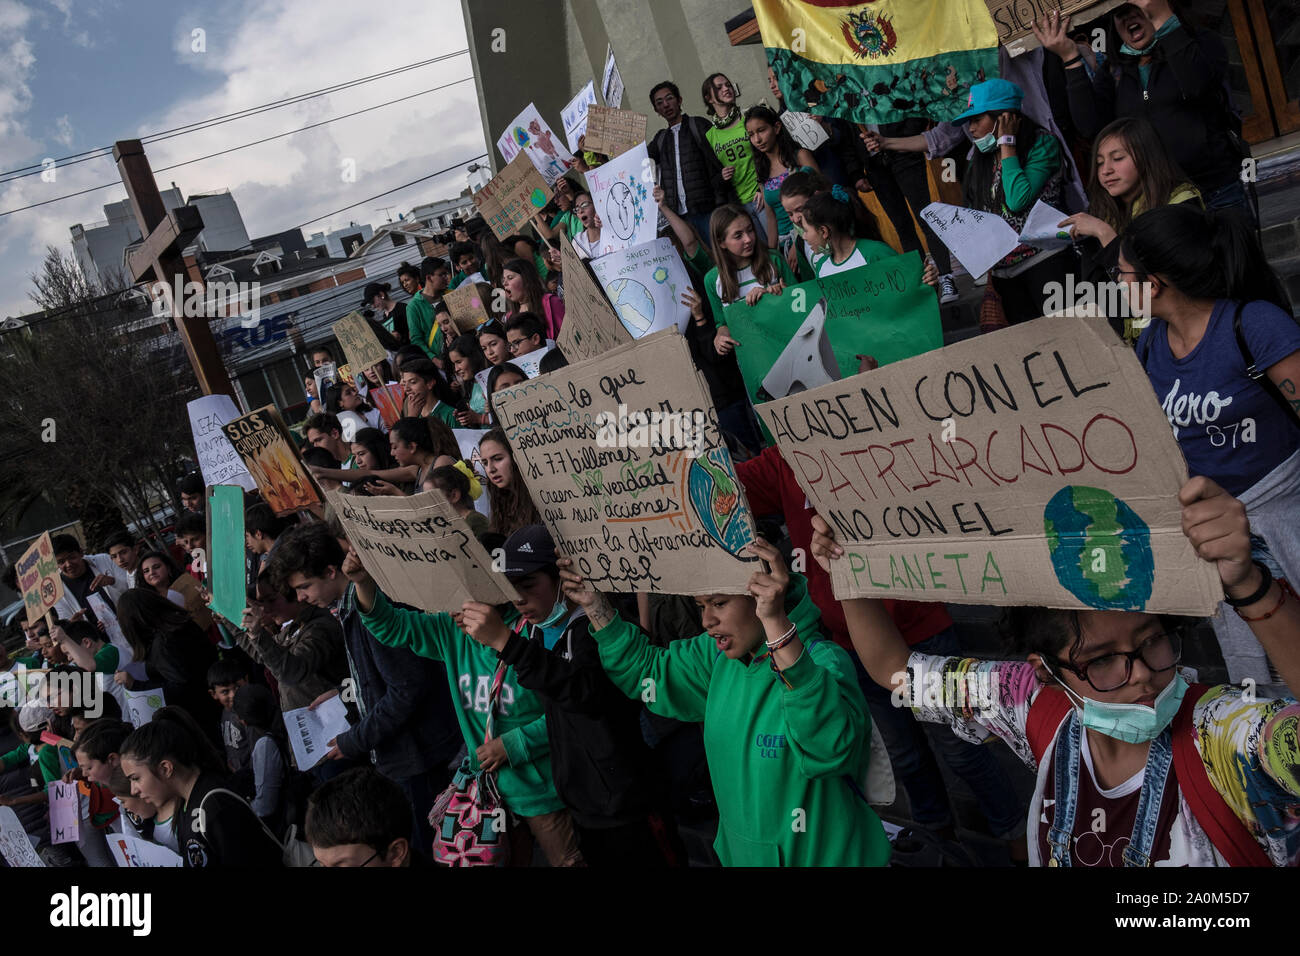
(141, 705)
(1041, 230)
(15, 846)
(530, 133)
(132, 852)
(805, 129)
(218, 460)
(65, 812)
(645, 285)
(628, 214)
(979, 240)
(310, 731)
(529, 364)
(574, 115)
(611, 84)
(106, 616)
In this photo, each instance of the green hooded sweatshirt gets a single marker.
(782, 759)
(525, 783)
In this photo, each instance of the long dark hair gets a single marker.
(256, 706)
(1203, 254)
(375, 442)
(173, 570)
(468, 347)
(173, 735)
(431, 435)
(512, 508)
(977, 190)
(534, 291)
(1158, 172)
(786, 147)
(144, 615)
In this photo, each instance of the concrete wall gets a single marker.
(564, 44)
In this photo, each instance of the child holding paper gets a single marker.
(746, 268)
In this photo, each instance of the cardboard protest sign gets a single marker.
(574, 114)
(812, 333)
(1014, 18)
(529, 134)
(1033, 465)
(611, 81)
(39, 579)
(467, 305)
(640, 503)
(130, 851)
(627, 212)
(420, 552)
(645, 285)
(388, 399)
(360, 344)
(271, 457)
(218, 461)
(805, 129)
(226, 549)
(65, 812)
(310, 731)
(15, 846)
(141, 705)
(978, 239)
(591, 326)
(613, 131)
(514, 196)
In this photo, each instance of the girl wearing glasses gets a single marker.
(1223, 355)
(1135, 766)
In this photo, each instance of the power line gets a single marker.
(200, 125)
(389, 191)
(258, 142)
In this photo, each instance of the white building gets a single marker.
(341, 243)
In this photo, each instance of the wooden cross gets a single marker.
(159, 259)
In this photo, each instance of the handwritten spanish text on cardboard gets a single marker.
(513, 197)
(39, 579)
(639, 504)
(359, 342)
(419, 551)
(613, 131)
(467, 305)
(271, 458)
(1013, 18)
(591, 327)
(1029, 466)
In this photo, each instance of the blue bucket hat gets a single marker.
(991, 96)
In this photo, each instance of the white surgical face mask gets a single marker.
(986, 142)
(1131, 723)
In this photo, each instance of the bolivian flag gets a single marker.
(878, 62)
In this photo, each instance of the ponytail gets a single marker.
(173, 735)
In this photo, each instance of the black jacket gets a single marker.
(1185, 101)
(701, 170)
(599, 761)
(230, 834)
(408, 725)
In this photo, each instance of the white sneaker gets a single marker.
(947, 290)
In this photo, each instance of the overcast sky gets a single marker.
(81, 74)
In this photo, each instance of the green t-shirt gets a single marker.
(424, 332)
(865, 252)
(106, 659)
(567, 223)
(731, 144)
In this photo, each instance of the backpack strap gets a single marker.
(1046, 713)
(1230, 837)
(1256, 374)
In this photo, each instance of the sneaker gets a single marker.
(947, 289)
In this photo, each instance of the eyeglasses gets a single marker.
(1160, 652)
(1115, 272)
(359, 865)
(514, 346)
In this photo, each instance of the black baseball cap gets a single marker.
(528, 550)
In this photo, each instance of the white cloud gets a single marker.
(63, 131)
(264, 50)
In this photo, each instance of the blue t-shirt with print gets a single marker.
(1229, 428)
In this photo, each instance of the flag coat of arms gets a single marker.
(879, 61)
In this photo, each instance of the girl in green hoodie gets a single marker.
(786, 729)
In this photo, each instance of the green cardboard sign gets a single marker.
(226, 549)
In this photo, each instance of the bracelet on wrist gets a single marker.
(1069, 63)
(1006, 141)
(1258, 595)
(1283, 590)
(783, 640)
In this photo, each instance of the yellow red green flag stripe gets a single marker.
(879, 61)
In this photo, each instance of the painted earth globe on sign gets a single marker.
(634, 304)
(1101, 549)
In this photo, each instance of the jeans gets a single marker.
(422, 790)
(700, 222)
(913, 746)
(1232, 196)
(759, 216)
